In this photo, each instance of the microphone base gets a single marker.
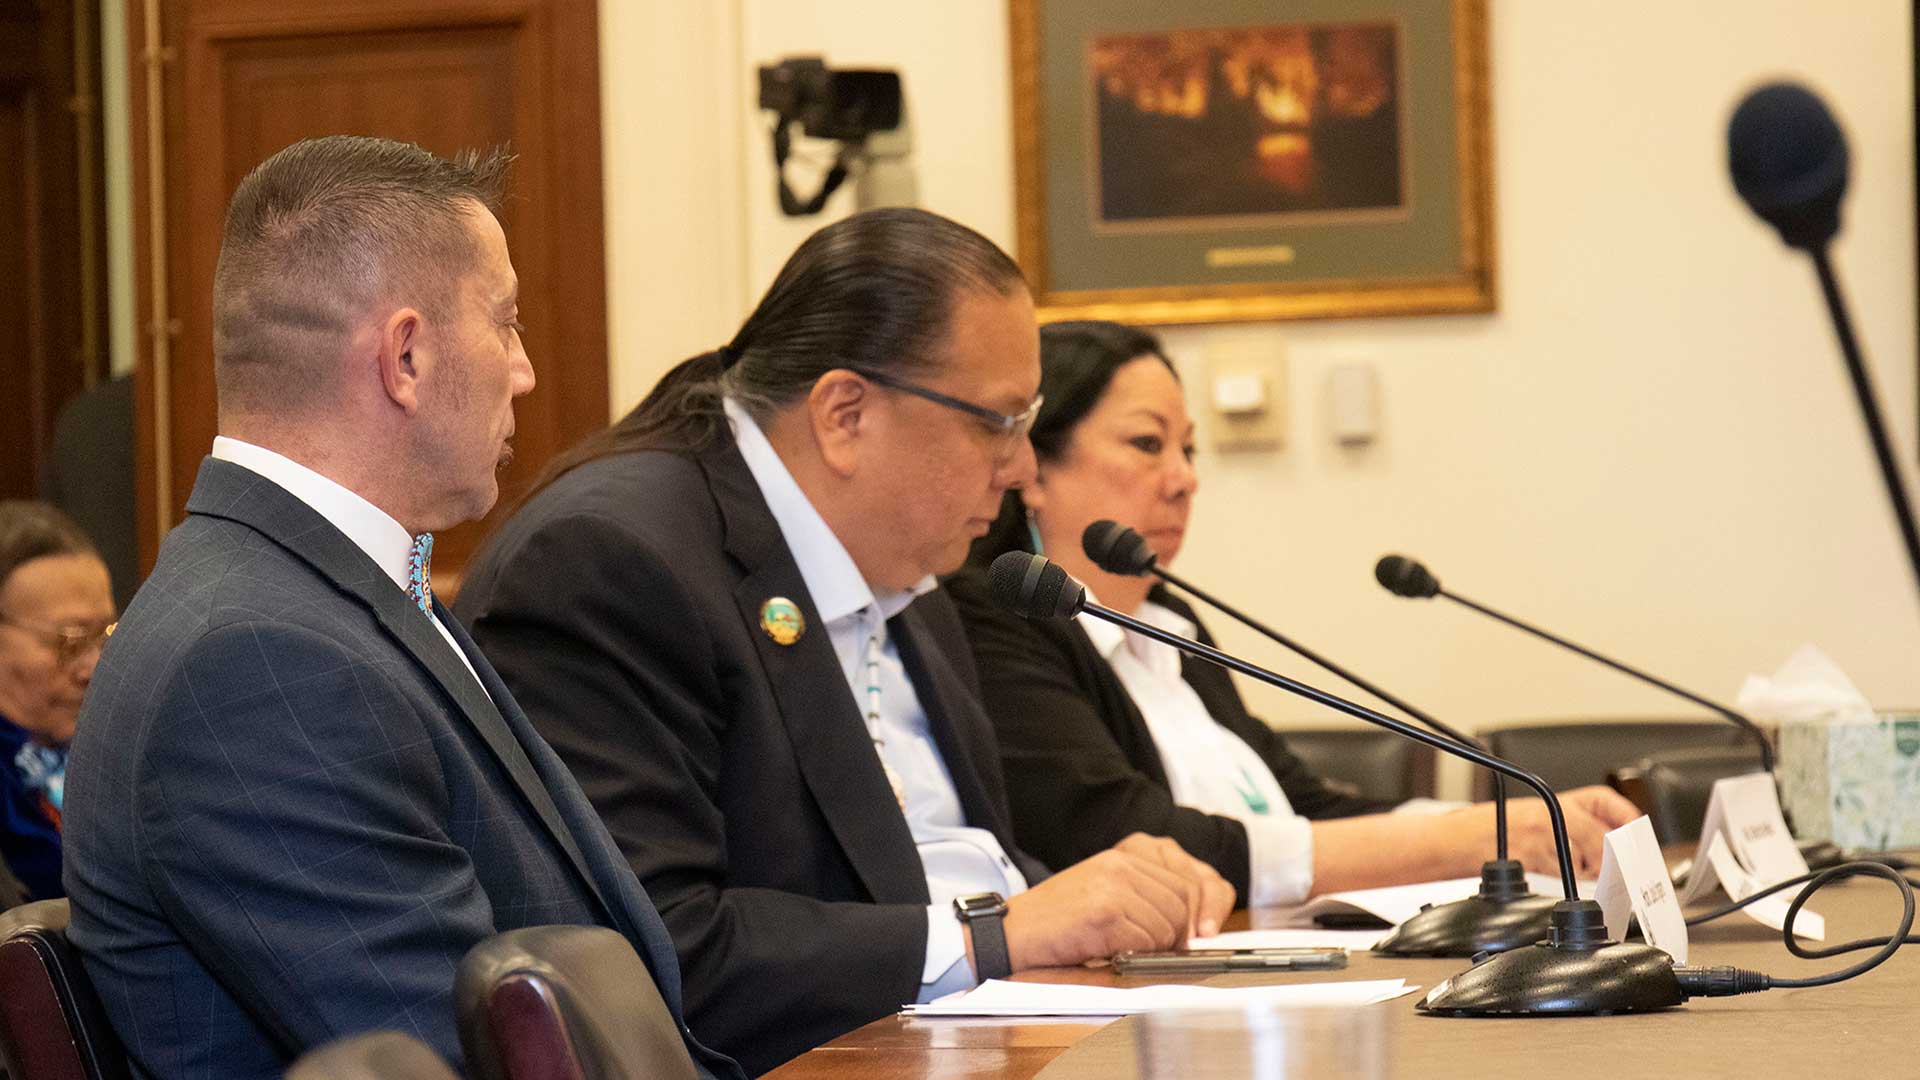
(1576, 972)
(1470, 927)
(1504, 916)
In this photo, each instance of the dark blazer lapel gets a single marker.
(945, 699)
(230, 491)
(823, 722)
(491, 718)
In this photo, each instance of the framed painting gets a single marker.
(1232, 160)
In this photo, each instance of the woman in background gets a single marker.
(1103, 732)
(56, 609)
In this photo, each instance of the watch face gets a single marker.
(980, 904)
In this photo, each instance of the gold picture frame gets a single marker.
(1426, 246)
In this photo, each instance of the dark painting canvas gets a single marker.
(1252, 123)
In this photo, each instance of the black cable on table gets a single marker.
(1723, 981)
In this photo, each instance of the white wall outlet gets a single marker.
(1353, 403)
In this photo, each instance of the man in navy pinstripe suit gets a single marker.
(300, 794)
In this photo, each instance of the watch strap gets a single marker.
(990, 960)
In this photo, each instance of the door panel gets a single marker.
(256, 75)
(51, 300)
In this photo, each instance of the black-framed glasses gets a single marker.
(70, 642)
(1011, 428)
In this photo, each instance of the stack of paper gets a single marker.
(997, 998)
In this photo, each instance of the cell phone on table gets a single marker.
(1211, 961)
(1350, 920)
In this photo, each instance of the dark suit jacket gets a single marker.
(291, 811)
(1082, 769)
(622, 605)
(12, 894)
(29, 839)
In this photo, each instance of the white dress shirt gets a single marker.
(958, 858)
(371, 529)
(1208, 767)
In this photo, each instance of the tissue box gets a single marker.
(1853, 778)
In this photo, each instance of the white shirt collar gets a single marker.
(838, 588)
(370, 528)
(1107, 638)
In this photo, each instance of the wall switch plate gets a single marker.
(1246, 395)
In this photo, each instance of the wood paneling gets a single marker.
(248, 77)
(49, 248)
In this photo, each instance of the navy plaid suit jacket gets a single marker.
(291, 810)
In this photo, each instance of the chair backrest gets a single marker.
(565, 1003)
(376, 1055)
(1370, 761)
(1678, 783)
(1569, 755)
(51, 1023)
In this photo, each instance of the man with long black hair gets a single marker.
(721, 612)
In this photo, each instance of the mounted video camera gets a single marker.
(862, 110)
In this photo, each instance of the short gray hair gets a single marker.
(318, 233)
(31, 530)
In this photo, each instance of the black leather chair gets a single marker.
(89, 473)
(377, 1055)
(1575, 754)
(51, 1023)
(1674, 786)
(565, 1003)
(1367, 761)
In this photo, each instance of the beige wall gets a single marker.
(670, 109)
(1650, 447)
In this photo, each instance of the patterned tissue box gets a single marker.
(1853, 778)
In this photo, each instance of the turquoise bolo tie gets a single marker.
(419, 574)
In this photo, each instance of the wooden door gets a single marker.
(237, 80)
(52, 297)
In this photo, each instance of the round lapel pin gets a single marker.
(782, 621)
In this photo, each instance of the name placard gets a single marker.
(1634, 887)
(1745, 811)
(1768, 911)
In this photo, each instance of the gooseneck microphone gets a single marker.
(1575, 971)
(1406, 577)
(1788, 158)
(1505, 914)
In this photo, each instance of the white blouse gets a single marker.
(1208, 767)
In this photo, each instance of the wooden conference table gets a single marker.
(1870, 1023)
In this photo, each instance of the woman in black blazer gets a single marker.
(1082, 763)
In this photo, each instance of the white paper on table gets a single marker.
(1633, 881)
(1746, 809)
(999, 998)
(1398, 903)
(1771, 911)
(1359, 940)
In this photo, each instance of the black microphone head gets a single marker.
(1789, 162)
(1034, 587)
(1117, 549)
(1404, 577)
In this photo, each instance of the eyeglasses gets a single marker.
(1011, 429)
(69, 643)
